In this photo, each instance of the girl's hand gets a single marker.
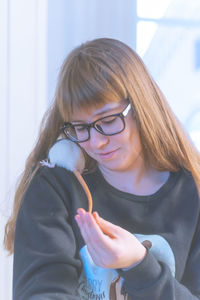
(110, 246)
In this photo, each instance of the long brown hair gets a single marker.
(98, 72)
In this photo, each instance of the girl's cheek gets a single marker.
(85, 147)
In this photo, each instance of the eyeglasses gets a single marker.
(109, 125)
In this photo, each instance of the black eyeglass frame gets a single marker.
(88, 126)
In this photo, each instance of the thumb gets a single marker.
(108, 228)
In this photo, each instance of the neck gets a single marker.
(139, 181)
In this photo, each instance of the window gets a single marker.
(168, 40)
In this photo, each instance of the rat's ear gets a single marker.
(67, 154)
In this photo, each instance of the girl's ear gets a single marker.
(67, 154)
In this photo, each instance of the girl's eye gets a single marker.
(80, 128)
(109, 120)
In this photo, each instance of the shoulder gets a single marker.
(53, 174)
(186, 180)
(50, 187)
(58, 178)
(185, 192)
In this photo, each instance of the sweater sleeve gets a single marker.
(152, 279)
(46, 264)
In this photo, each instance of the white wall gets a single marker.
(22, 102)
(35, 36)
(71, 23)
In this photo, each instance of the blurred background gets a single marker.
(35, 37)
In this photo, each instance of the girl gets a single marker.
(142, 239)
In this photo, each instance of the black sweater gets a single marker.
(51, 260)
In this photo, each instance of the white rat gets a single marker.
(67, 154)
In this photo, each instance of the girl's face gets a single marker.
(120, 152)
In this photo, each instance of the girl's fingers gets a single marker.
(95, 234)
(108, 228)
(90, 230)
(82, 226)
(78, 220)
(95, 226)
(93, 252)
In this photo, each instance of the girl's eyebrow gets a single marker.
(105, 110)
(99, 112)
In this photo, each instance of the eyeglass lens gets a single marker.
(109, 126)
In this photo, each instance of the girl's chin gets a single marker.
(114, 166)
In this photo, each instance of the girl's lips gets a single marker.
(107, 154)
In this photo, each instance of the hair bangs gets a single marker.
(89, 84)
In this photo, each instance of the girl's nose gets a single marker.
(98, 140)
